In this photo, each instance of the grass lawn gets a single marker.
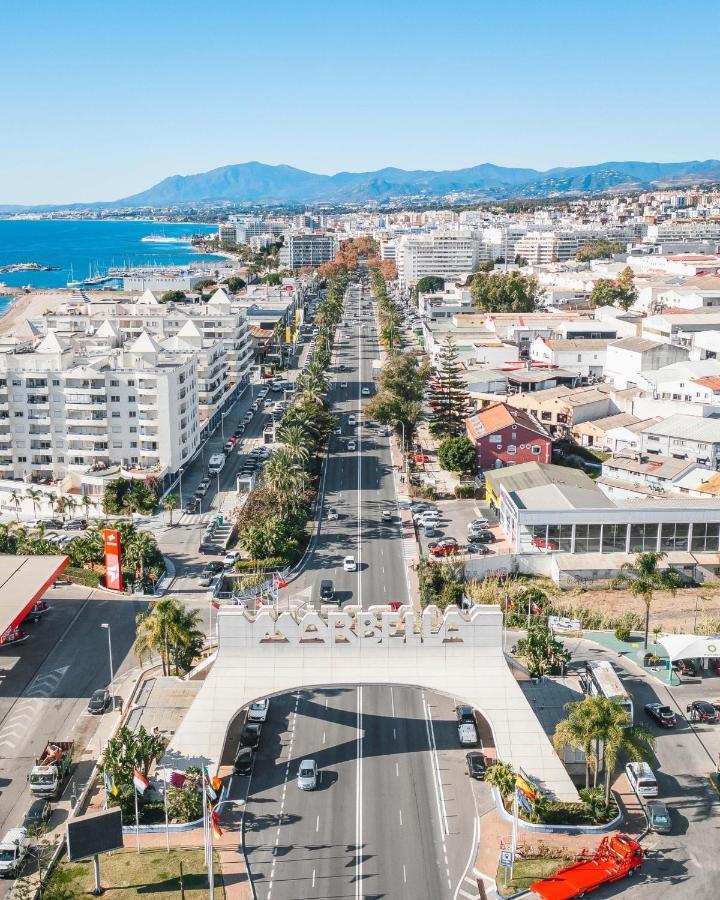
(526, 872)
(127, 875)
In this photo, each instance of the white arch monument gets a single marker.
(458, 653)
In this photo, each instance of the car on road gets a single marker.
(307, 777)
(702, 711)
(386, 515)
(662, 715)
(258, 711)
(467, 733)
(192, 505)
(343, 384)
(243, 763)
(349, 564)
(476, 766)
(99, 702)
(208, 573)
(14, 849)
(228, 447)
(365, 392)
(351, 420)
(202, 488)
(658, 816)
(351, 445)
(37, 815)
(250, 735)
(332, 515)
(465, 713)
(641, 779)
(230, 558)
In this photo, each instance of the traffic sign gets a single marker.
(506, 858)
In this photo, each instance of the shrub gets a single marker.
(86, 577)
(250, 565)
(464, 491)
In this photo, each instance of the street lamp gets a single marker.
(404, 455)
(112, 673)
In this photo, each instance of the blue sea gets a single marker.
(82, 247)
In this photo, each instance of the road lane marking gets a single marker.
(401, 821)
(392, 702)
(435, 766)
(313, 878)
(394, 735)
(397, 770)
(404, 874)
(323, 737)
(358, 798)
(317, 824)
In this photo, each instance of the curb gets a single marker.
(538, 828)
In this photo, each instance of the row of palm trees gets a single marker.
(59, 504)
(389, 315)
(303, 430)
(170, 630)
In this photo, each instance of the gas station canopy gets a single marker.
(690, 646)
(23, 580)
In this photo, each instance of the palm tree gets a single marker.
(87, 502)
(139, 551)
(170, 503)
(70, 504)
(502, 776)
(283, 476)
(167, 626)
(297, 441)
(577, 732)
(16, 501)
(35, 496)
(619, 738)
(59, 504)
(642, 578)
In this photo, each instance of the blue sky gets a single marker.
(103, 99)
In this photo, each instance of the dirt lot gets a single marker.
(672, 613)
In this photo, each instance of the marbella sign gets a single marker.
(356, 626)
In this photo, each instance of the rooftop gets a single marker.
(691, 427)
(636, 344)
(498, 416)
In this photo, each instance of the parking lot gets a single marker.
(453, 521)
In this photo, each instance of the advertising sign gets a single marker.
(113, 559)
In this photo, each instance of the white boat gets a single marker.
(165, 239)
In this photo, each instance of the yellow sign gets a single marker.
(298, 316)
(288, 335)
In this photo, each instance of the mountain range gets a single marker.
(258, 183)
(255, 182)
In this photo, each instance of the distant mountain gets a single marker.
(257, 183)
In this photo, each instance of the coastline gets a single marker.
(33, 304)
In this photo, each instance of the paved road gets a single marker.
(687, 859)
(357, 483)
(394, 814)
(45, 684)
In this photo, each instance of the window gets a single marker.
(495, 439)
(511, 449)
(133, 429)
(22, 459)
(131, 383)
(132, 414)
(587, 538)
(643, 537)
(19, 414)
(705, 537)
(536, 449)
(116, 415)
(673, 536)
(131, 399)
(115, 398)
(560, 538)
(114, 383)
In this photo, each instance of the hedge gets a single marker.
(87, 577)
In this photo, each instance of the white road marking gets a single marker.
(401, 821)
(323, 737)
(358, 799)
(404, 874)
(313, 878)
(317, 824)
(442, 812)
(397, 769)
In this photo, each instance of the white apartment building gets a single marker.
(75, 418)
(308, 250)
(446, 254)
(585, 358)
(628, 357)
(543, 247)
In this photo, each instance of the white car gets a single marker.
(332, 515)
(351, 445)
(307, 776)
(343, 384)
(427, 515)
(351, 420)
(366, 392)
(349, 564)
(231, 557)
(258, 711)
(14, 847)
(468, 734)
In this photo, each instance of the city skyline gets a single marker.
(110, 102)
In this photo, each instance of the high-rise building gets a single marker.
(447, 254)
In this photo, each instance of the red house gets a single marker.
(504, 436)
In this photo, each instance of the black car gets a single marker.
(243, 761)
(99, 702)
(76, 525)
(662, 715)
(476, 765)
(52, 523)
(327, 590)
(481, 537)
(192, 505)
(702, 711)
(465, 713)
(250, 735)
(38, 814)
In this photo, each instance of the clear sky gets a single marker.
(103, 99)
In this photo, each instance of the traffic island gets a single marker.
(527, 871)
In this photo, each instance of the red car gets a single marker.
(420, 458)
(443, 548)
(545, 545)
(395, 605)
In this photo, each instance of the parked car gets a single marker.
(365, 392)
(99, 702)
(478, 523)
(482, 537)
(37, 815)
(250, 735)
(476, 764)
(641, 778)
(332, 515)
(658, 816)
(351, 420)
(663, 715)
(386, 515)
(465, 713)
(467, 733)
(231, 557)
(351, 445)
(444, 547)
(307, 777)
(258, 711)
(702, 711)
(14, 849)
(243, 762)
(76, 525)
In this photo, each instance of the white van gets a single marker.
(641, 779)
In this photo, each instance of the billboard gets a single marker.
(113, 559)
(94, 833)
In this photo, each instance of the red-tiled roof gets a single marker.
(498, 416)
(709, 381)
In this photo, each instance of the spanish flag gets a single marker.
(217, 830)
(525, 787)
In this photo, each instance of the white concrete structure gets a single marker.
(447, 254)
(458, 654)
(628, 357)
(542, 247)
(585, 358)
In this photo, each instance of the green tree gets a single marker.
(578, 732)
(141, 551)
(171, 503)
(448, 395)
(486, 266)
(430, 284)
(602, 249)
(501, 776)
(16, 501)
(173, 297)
(203, 284)
(125, 753)
(272, 278)
(35, 497)
(457, 454)
(170, 630)
(235, 284)
(643, 578)
(505, 292)
(542, 652)
(620, 292)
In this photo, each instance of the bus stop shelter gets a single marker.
(23, 581)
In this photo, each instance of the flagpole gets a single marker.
(167, 826)
(205, 819)
(514, 831)
(137, 821)
(211, 867)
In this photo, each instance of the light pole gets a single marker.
(112, 673)
(181, 496)
(402, 449)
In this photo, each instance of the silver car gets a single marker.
(307, 777)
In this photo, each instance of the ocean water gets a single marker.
(80, 247)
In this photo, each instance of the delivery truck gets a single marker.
(51, 769)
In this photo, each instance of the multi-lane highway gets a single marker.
(394, 814)
(358, 482)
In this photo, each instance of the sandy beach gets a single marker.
(33, 304)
